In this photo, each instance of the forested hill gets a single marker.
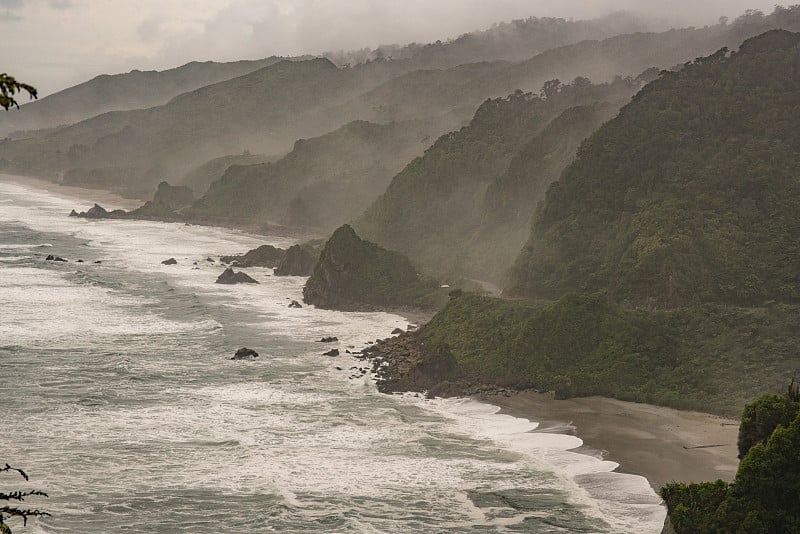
(515, 40)
(690, 195)
(435, 210)
(265, 111)
(322, 183)
(114, 92)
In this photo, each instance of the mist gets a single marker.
(60, 43)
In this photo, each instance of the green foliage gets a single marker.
(688, 196)
(762, 416)
(693, 358)
(688, 504)
(9, 87)
(762, 499)
(447, 210)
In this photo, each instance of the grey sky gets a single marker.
(57, 43)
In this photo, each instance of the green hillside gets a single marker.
(436, 210)
(690, 195)
(663, 265)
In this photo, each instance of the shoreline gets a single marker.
(644, 439)
(111, 201)
(98, 196)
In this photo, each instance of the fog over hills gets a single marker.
(265, 111)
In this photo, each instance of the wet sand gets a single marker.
(652, 441)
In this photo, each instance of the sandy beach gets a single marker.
(646, 440)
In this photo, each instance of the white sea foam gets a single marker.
(289, 426)
(626, 502)
(43, 308)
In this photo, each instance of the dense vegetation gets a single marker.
(690, 195)
(583, 345)
(764, 496)
(353, 274)
(435, 210)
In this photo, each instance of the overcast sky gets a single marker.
(57, 43)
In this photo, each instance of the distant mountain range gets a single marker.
(266, 110)
(116, 92)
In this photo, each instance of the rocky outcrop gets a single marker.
(51, 257)
(173, 197)
(402, 364)
(295, 304)
(332, 352)
(245, 354)
(171, 261)
(263, 256)
(229, 276)
(328, 340)
(99, 212)
(298, 261)
(353, 274)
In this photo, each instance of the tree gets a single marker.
(9, 87)
(18, 496)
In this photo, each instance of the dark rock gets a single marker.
(228, 276)
(210, 260)
(98, 261)
(397, 331)
(298, 261)
(173, 197)
(96, 212)
(565, 390)
(263, 256)
(328, 340)
(79, 261)
(332, 352)
(171, 261)
(455, 294)
(73, 213)
(356, 275)
(50, 257)
(245, 354)
(295, 304)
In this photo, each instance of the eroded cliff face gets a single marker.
(353, 274)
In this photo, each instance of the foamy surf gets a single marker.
(132, 416)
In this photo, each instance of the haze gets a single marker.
(58, 43)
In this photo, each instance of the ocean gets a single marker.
(119, 398)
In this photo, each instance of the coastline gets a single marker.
(99, 196)
(110, 201)
(643, 439)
